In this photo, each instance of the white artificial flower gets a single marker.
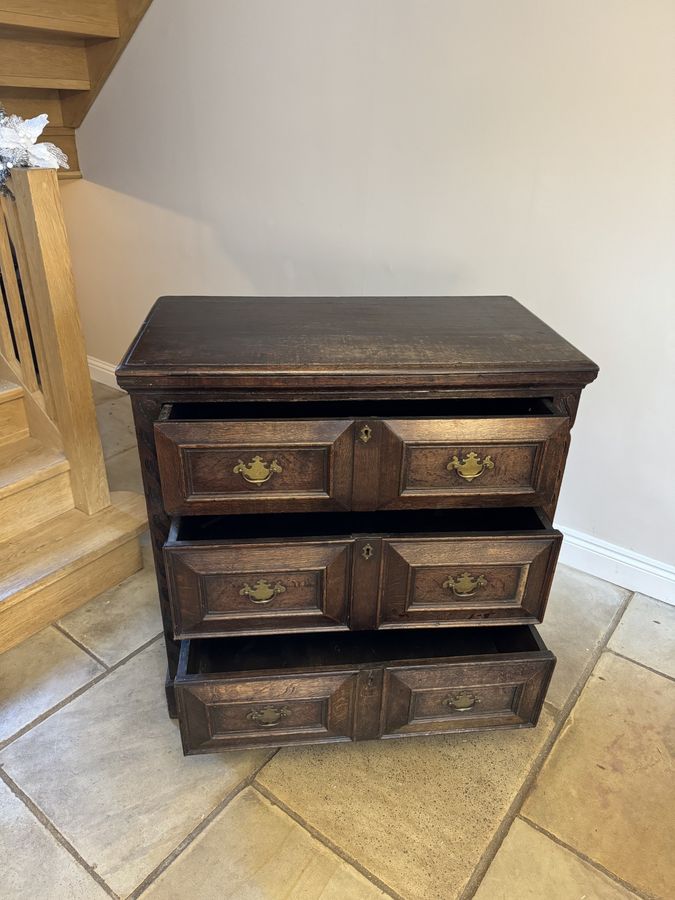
(18, 143)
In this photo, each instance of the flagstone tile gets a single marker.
(607, 788)
(646, 633)
(528, 860)
(116, 425)
(253, 850)
(123, 618)
(37, 674)
(102, 392)
(418, 814)
(124, 471)
(34, 864)
(579, 613)
(108, 771)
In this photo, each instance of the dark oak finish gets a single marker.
(406, 580)
(352, 687)
(269, 414)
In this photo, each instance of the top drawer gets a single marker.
(225, 458)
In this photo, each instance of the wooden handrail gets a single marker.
(37, 231)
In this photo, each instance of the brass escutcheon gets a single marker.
(268, 716)
(465, 585)
(462, 701)
(365, 434)
(471, 466)
(367, 551)
(257, 471)
(262, 591)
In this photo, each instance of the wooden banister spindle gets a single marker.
(16, 312)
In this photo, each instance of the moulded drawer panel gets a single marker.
(469, 580)
(208, 467)
(469, 462)
(464, 696)
(263, 587)
(258, 711)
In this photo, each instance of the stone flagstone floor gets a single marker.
(97, 800)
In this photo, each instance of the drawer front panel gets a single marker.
(268, 712)
(466, 580)
(463, 696)
(258, 588)
(247, 467)
(469, 462)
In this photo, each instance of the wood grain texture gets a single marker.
(87, 18)
(206, 584)
(55, 568)
(43, 62)
(208, 378)
(282, 342)
(329, 699)
(312, 466)
(65, 371)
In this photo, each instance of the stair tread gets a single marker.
(9, 391)
(25, 462)
(52, 550)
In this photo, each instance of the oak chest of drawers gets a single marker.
(350, 505)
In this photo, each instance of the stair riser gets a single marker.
(44, 606)
(13, 421)
(34, 505)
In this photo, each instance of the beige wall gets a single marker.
(379, 146)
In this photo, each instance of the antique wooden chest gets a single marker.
(350, 505)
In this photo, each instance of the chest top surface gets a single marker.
(244, 341)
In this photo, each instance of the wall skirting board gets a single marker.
(581, 551)
(102, 371)
(625, 567)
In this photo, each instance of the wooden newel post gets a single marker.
(58, 339)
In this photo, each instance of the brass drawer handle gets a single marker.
(268, 716)
(257, 471)
(462, 701)
(465, 585)
(262, 591)
(471, 466)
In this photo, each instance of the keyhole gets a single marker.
(367, 552)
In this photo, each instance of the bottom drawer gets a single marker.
(319, 688)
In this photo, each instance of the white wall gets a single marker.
(437, 146)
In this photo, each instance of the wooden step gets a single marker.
(47, 572)
(34, 486)
(85, 18)
(13, 422)
(42, 62)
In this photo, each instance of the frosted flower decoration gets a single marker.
(18, 147)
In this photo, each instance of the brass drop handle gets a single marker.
(472, 466)
(268, 716)
(262, 591)
(465, 585)
(462, 701)
(257, 471)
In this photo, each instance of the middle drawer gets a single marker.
(335, 572)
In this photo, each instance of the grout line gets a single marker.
(79, 644)
(638, 663)
(196, 831)
(587, 859)
(78, 693)
(54, 831)
(530, 779)
(326, 841)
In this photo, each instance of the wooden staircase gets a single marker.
(63, 537)
(55, 56)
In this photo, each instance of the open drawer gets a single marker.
(222, 458)
(245, 575)
(321, 688)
